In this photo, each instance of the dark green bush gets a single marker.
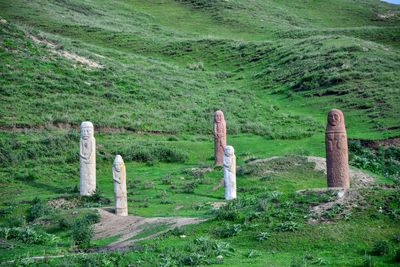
(228, 212)
(228, 230)
(92, 217)
(189, 187)
(37, 210)
(82, 233)
(380, 248)
(27, 235)
(396, 257)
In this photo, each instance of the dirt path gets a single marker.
(126, 228)
(69, 55)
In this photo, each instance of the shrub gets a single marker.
(92, 217)
(82, 233)
(26, 177)
(189, 187)
(380, 248)
(37, 210)
(15, 221)
(27, 235)
(396, 257)
(228, 230)
(228, 212)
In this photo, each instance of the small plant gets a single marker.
(263, 236)
(228, 212)
(92, 217)
(253, 254)
(368, 261)
(37, 210)
(82, 233)
(166, 180)
(380, 248)
(228, 230)
(148, 185)
(189, 187)
(287, 226)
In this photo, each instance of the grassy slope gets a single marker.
(274, 67)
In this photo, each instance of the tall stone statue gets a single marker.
(219, 136)
(119, 177)
(336, 150)
(229, 164)
(87, 156)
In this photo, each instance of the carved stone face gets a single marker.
(219, 116)
(118, 166)
(334, 118)
(86, 132)
(229, 151)
(118, 163)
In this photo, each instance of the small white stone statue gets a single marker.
(229, 164)
(119, 177)
(87, 156)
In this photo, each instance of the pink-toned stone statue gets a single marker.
(229, 173)
(119, 177)
(219, 137)
(87, 156)
(336, 150)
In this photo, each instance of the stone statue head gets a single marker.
(87, 130)
(229, 151)
(218, 116)
(118, 163)
(335, 121)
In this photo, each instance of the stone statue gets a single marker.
(336, 150)
(119, 177)
(87, 156)
(219, 137)
(229, 164)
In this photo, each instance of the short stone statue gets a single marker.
(229, 165)
(119, 177)
(336, 150)
(87, 156)
(219, 137)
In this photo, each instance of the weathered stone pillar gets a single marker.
(336, 150)
(219, 137)
(87, 159)
(229, 164)
(119, 177)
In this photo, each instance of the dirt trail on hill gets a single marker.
(69, 55)
(126, 228)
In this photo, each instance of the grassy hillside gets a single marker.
(149, 75)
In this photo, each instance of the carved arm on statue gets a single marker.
(116, 179)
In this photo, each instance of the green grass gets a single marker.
(274, 67)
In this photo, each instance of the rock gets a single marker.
(87, 159)
(120, 195)
(336, 150)
(229, 164)
(219, 136)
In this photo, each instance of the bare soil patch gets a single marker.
(345, 198)
(69, 55)
(126, 228)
